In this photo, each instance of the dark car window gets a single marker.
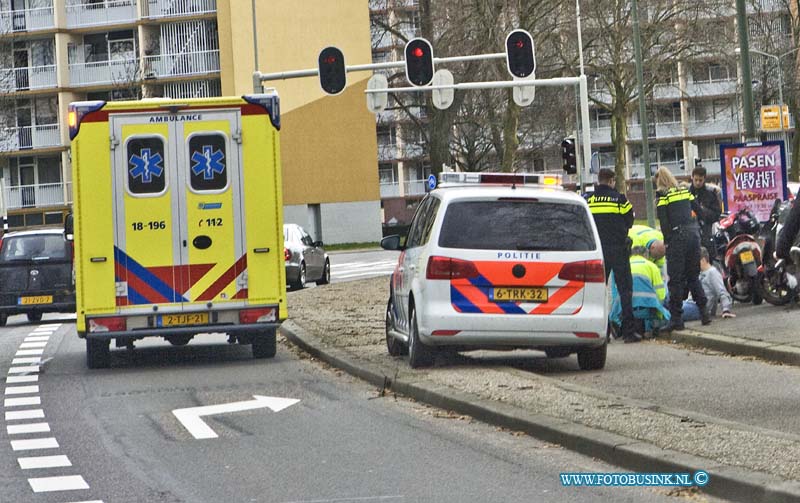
(516, 225)
(40, 247)
(415, 232)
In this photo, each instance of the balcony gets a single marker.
(726, 87)
(14, 21)
(29, 137)
(24, 79)
(387, 152)
(107, 12)
(657, 130)
(179, 65)
(122, 71)
(172, 8)
(410, 188)
(719, 127)
(37, 196)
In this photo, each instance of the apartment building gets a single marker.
(53, 52)
(691, 112)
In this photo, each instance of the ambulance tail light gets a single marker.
(260, 315)
(588, 271)
(111, 324)
(77, 111)
(450, 268)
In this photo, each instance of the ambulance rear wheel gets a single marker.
(34, 316)
(98, 355)
(264, 344)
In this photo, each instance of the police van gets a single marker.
(499, 261)
(178, 223)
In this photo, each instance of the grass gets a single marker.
(352, 246)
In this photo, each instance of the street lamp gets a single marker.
(780, 80)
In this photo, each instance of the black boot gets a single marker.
(706, 319)
(675, 323)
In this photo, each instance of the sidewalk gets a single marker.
(768, 332)
(342, 324)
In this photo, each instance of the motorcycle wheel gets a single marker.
(774, 290)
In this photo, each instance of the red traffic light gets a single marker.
(332, 71)
(419, 62)
(417, 52)
(519, 54)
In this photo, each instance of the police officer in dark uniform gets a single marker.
(675, 207)
(710, 207)
(613, 215)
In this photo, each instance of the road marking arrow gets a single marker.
(190, 417)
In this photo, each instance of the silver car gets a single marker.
(306, 259)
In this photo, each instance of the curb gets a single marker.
(738, 346)
(725, 481)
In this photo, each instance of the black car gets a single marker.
(36, 274)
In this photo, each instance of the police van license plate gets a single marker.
(519, 294)
(747, 257)
(35, 299)
(174, 320)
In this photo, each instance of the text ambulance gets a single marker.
(178, 221)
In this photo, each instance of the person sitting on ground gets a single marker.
(714, 288)
(648, 295)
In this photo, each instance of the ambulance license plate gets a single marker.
(175, 320)
(519, 294)
(35, 299)
(747, 257)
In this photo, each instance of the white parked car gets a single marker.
(499, 261)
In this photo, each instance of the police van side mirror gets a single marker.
(391, 243)
(69, 233)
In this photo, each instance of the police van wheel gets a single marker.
(393, 346)
(594, 358)
(98, 355)
(264, 344)
(419, 355)
(34, 316)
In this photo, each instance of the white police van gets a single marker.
(499, 261)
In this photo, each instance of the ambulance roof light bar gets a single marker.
(450, 179)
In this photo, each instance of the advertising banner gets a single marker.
(753, 175)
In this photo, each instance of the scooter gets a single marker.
(741, 255)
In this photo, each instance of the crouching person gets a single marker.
(648, 295)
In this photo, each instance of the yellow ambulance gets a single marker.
(177, 223)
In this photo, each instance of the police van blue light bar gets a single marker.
(541, 180)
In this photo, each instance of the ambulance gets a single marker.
(177, 221)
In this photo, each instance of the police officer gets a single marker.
(710, 206)
(613, 215)
(675, 209)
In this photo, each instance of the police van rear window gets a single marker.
(516, 225)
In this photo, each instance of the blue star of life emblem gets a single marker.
(208, 162)
(146, 165)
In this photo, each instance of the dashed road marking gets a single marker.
(34, 444)
(29, 369)
(16, 415)
(24, 400)
(20, 379)
(64, 483)
(44, 338)
(26, 359)
(21, 390)
(18, 429)
(30, 352)
(37, 344)
(35, 462)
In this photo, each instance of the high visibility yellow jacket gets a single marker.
(648, 271)
(642, 236)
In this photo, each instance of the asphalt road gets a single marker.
(341, 442)
(349, 266)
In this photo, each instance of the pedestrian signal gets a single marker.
(568, 155)
(519, 54)
(332, 73)
(419, 62)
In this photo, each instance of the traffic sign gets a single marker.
(431, 182)
(376, 102)
(443, 98)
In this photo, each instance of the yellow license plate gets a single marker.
(747, 257)
(35, 299)
(174, 320)
(519, 295)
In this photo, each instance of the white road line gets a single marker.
(19, 379)
(362, 265)
(18, 429)
(25, 400)
(26, 359)
(41, 330)
(34, 443)
(358, 275)
(93, 501)
(42, 338)
(49, 325)
(21, 390)
(37, 344)
(13, 415)
(49, 484)
(29, 352)
(27, 369)
(43, 462)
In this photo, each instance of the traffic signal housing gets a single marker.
(519, 54)
(419, 62)
(332, 72)
(568, 155)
